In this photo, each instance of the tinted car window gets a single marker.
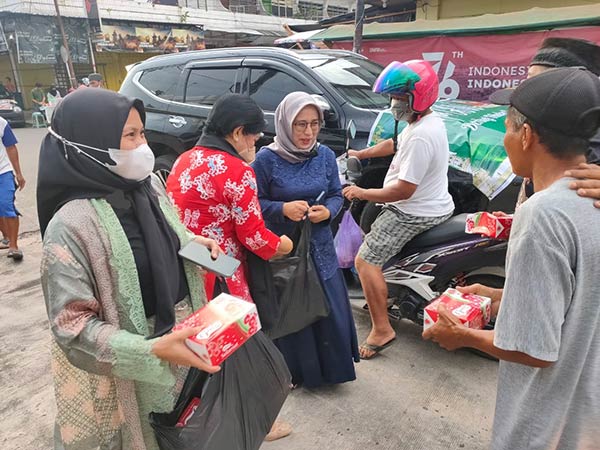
(268, 87)
(353, 77)
(205, 86)
(161, 81)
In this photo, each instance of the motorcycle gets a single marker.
(440, 258)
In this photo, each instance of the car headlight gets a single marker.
(17, 109)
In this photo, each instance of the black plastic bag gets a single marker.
(238, 404)
(287, 291)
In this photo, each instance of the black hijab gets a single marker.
(96, 117)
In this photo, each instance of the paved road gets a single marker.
(414, 396)
(29, 150)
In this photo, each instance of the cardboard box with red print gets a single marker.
(227, 322)
(489, 225)
(473, 311)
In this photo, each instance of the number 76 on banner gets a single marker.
(449, 88)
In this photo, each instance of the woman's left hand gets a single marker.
(318, 213)
(211, 244)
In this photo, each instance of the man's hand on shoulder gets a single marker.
(588, 181)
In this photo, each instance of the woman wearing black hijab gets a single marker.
(111, 276)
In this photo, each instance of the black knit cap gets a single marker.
(565, 100)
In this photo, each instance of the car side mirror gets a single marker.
(329, 113)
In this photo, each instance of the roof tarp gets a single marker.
(297, 37)
(531, 19)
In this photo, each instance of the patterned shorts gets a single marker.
(391, 231)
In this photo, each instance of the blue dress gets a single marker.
(324, 352)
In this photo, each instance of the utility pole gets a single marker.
(358, 28)
(68, 61)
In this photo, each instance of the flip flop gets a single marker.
(16, 255)
(376, 349)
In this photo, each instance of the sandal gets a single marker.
(16, 255)
(4, 244)
(376, 349)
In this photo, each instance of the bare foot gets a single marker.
(280, 429)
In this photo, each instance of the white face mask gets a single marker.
(400, 109)
(134, 165)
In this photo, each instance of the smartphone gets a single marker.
(224, 265)
(319, 199)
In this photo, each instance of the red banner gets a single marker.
(471, 67)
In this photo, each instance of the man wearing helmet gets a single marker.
(415, 190)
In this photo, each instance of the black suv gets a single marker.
(179, 90)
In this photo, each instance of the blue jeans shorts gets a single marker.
(7, 195)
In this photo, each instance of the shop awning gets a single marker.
(297, 37)
(529, 20)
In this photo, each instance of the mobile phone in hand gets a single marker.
(319, 199)
(199, 254)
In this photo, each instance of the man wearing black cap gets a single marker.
(96, 80)
(547, 332)
(569, 52)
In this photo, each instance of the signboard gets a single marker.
(189, 39)
(39, 39)
(3, 43)
(150, 39)
(471, 67)
(475, 134)
(93, 15)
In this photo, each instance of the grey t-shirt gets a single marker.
(550, 310)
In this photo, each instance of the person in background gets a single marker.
(10, 86)
(38, 97)
(112, 279)
(4, 92)
(214, 189)
(564, 52)
(547, 331)
(415, 190)
(11, 178)
(96, 80)
(291, 173)
(53, 98)
(82, 83)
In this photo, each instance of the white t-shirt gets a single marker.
(422, 159)
(7, 138)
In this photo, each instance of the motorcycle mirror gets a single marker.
(351, 130)
(353, 165)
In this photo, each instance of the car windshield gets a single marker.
(353, 77)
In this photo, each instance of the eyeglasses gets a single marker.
(301, 126)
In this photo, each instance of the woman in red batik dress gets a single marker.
(214, 188)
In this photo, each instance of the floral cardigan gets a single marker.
(106, 379)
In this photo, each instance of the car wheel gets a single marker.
(163, 165)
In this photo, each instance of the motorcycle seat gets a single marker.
(448, 231)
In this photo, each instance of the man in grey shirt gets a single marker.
(547, 333)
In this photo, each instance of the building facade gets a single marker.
(131, 31)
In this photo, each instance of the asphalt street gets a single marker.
(413, 396)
